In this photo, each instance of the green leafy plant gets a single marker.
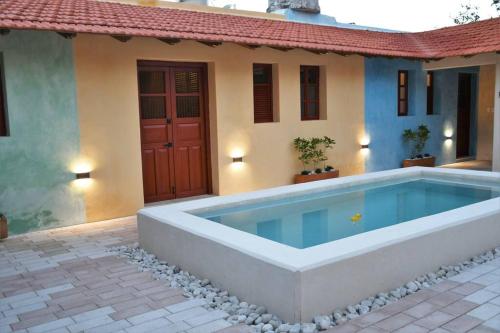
(416, 139)
(312, 151)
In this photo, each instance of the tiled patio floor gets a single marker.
(63, 280)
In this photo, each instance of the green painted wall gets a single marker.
(35, 176)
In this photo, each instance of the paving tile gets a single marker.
(464, 277)
(174, 328)
(485, 311)
(207, 317)
(434, 320)
(185, 305)
(484, 329)
(370, 319)
(348, 327)
(412, 329)
(241, 328)
(494, 287)
(91, 323)
(445, 298)
(459, 307)
(481, 296)
(89, 315)
(24, 309)
(149, 326)
(440, 330)
(422, 309)
(141, 318)
(495, 300)
(186, 314)
(110, 328)
(493, 323)
(467, 288)
(34, 321)
(52, 290)
(462, 324)
(487, 279)
(372, 329)
(394, 322)
(483, 269)
(210, 327)
(51, 325)
(143, 308)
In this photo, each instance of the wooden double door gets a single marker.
(173, 117)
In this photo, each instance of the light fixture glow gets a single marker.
(448, 134)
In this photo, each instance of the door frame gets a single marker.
(205, 106)
(470, 110)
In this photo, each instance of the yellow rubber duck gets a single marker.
(356, 218)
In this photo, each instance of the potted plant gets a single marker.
(3, 227)
(417, 140)
(312, 153)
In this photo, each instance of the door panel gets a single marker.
(156, 134)
(189, 132)
(148, 173)
(195, 171)
(173, 135)
(464, 114)
(163, 181)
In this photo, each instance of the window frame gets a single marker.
(305, 100)
(4, 119)
(270, 91)
(405, 99)
(430, 92)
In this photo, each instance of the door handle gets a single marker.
(169, 121)
(168, 145)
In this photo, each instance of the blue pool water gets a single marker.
(306, 221)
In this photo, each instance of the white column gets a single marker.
(496, 121)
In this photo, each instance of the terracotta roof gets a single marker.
(90, 16)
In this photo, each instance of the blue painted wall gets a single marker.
(385, 127)
(35, 180)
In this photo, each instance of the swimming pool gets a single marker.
(306, 249)
(309, 220)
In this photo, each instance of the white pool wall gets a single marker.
(297, 284)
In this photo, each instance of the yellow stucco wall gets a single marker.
(485, 112)
(108, 106)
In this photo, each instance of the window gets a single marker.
(430, 93)
(402, 93)
(263, 93)
(3, 109)
(309, 92)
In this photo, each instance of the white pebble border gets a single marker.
(257, 316)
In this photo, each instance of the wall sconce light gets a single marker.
(82, 175)
(238, 159)
(365, 146)
(448, 134)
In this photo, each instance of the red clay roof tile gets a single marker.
(90, 16)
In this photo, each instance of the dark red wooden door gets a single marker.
(173, 135)
(189, 131)
(464, 114)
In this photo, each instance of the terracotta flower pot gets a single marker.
(4, 233)
(316, 176)
(424, 162)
